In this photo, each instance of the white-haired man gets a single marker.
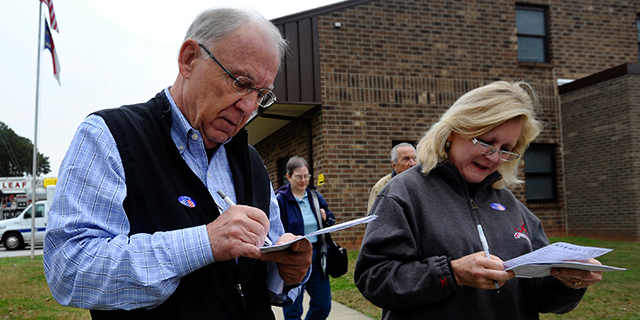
(138, 229)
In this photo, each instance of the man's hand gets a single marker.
(293, 262)
(238, 232)
(476, 270)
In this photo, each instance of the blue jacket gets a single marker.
(291, 215)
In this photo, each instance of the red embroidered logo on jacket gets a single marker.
(522, 232)
(443, 282)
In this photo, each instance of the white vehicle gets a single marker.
(15, 233)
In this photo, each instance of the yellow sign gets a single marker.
(49, 181)
(321, 179)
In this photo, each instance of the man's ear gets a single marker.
(189, 52)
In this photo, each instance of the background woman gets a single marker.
(423, 258)
(299, 217)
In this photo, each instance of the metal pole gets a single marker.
(35, 141)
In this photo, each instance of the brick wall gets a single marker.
(591, 36)
(395, 65)
(602, 161)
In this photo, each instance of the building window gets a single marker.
(540, 173)
(532, 34)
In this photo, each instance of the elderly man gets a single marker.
(403, 157)
(138, 229)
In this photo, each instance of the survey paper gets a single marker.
(557, 255)
(333, 228)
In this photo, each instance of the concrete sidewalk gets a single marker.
(338, 311)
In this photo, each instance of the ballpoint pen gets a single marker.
(231, 204)
(226, 198)
(485, 246)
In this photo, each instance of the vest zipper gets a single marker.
(239, 288)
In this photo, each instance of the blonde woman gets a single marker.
(423, 257)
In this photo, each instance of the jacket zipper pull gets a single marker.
(475, 206)
(239, 288)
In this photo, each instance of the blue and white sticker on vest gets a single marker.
(497, 206)
(187, 201)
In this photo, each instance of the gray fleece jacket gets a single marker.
(423, 223)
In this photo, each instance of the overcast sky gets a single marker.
(111, 53)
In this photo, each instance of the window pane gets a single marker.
(539, 188)
(538, 160)
(638, 28)
(530, 22)
(40, 211)
(531, 49)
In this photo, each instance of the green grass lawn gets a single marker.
(617, 296)
(24, 293)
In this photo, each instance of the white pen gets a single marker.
(231, 204)
(226, 198)
(485, 246)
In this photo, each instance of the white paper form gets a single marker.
(557, 255)
(333, 228)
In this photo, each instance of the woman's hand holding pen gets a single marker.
(239, 232)
(476, 270)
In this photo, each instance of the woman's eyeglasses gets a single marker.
(487, 149)
(301, 177)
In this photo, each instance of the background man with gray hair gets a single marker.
(403, 157)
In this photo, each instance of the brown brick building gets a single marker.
(363, 75)
(601, 129)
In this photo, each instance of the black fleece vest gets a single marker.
(156, 176)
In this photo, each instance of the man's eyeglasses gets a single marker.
(244, 85)
(302, 177)
(487, 149)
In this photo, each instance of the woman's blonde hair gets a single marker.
(478, 112)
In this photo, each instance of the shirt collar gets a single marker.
(180, 127)
(303, 197)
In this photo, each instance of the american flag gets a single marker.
(52, 14)
(48, 44)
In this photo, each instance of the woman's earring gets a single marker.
(447, 145)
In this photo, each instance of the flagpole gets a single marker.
(35, 141)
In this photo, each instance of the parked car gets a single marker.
(15, 233)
